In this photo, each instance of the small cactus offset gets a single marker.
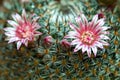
(60, 40)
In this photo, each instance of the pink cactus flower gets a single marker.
(88, 36)
(23, 29)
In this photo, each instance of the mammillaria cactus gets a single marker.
(56, 33)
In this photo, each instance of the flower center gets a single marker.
(26, 32)
(87, 37)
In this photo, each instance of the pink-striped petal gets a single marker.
(72, 26)
(98, 44)
(105, 28)
(94, 21)
(100, 23)
(104, 43)
(78, 47)
(9, 29)
(94, 49)
(84, 48)
(17, 17)
(89, 52)
(13, 39)
(19, 43)
(10, 34)
(13, 23)
(35, 19)
(95, 18)
(26, 42)
(76, 41)
(37, 33)
(104, 37)
(84, 19)
(24, 14)
(36, 26)
(79, 21)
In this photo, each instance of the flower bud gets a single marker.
(101, 15)
(47, 41)
(65, 44)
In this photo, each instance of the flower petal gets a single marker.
(13, 39)
(98, 44)
(89, 52)
(37, 33)
(84, 48)
(26, 42)
(10, 34)
(19, 43)
(104, 43)
(80, 23)
(72, 34)
(84, 19)
(100, 23)
(9, 29)
(35, 19)
(72, 26)
(24, 14)
(94, 49)
(78, 47)
(17, 17)
(105, 28)
(36, 26)
(95, 18)
(104, 37)
(76, 41)
(94, 21)
(13, 23)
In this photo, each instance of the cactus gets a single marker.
(50, 55)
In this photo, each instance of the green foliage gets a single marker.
(39, 63)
